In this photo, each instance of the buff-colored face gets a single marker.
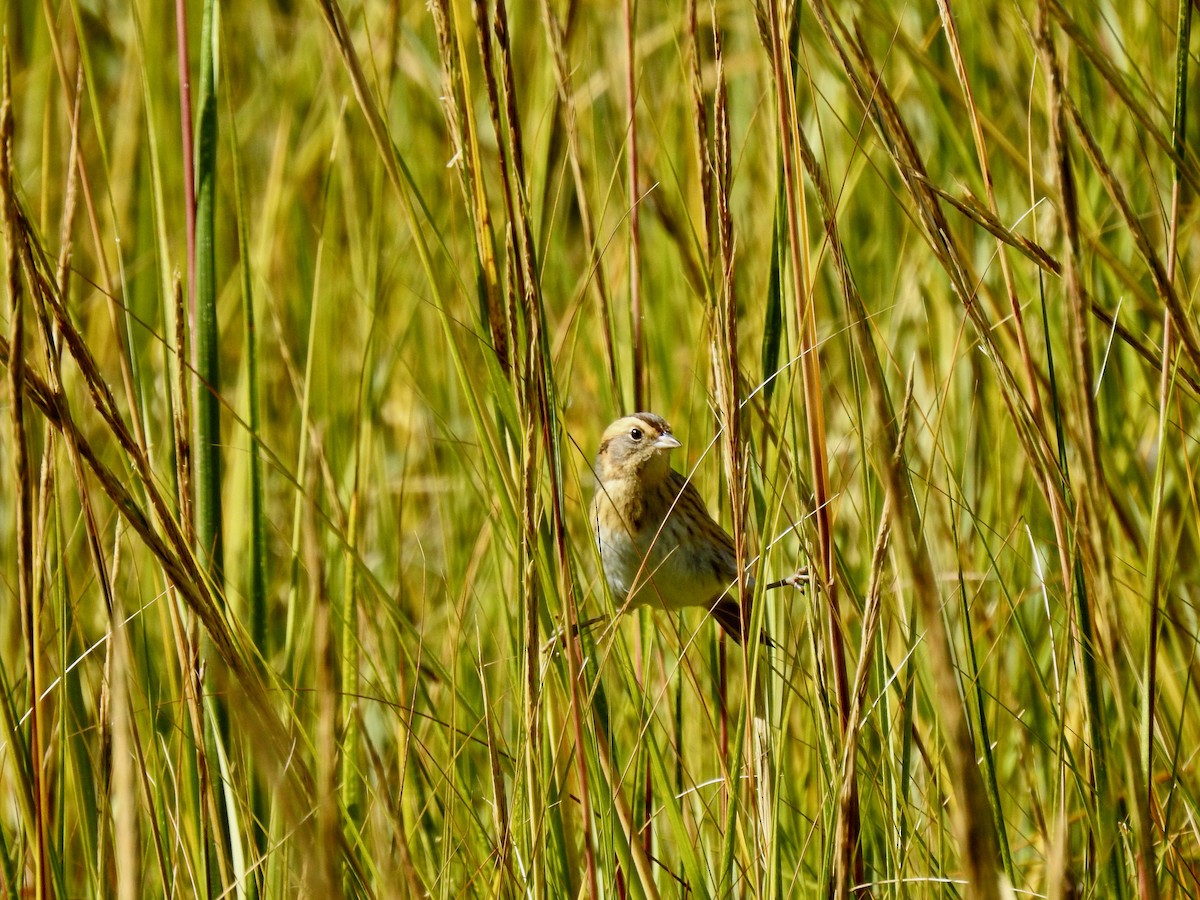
(636, 445)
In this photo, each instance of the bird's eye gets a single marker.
(636, 434)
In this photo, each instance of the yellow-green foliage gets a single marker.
(914, 283)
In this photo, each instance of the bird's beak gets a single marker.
(667, 442)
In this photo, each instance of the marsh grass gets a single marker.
(296, 462)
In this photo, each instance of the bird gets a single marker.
(659, 546)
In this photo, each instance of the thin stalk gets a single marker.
(1153, 587)
(557, 39)
(977, 705)
(985, 171)
(975, 830)
(256, 586)
(120, 316)
(641, 394)
(203, 290)
(206, 401)
(33, 788)
(803, 295)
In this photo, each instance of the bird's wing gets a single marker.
(690, 506)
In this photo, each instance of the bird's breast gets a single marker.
(651, 554)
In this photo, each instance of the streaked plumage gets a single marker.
(658, 544)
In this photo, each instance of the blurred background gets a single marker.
(297, 459)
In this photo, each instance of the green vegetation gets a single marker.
(296, 459)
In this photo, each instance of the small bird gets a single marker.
(658, 544)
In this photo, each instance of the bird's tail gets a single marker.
(728, 614)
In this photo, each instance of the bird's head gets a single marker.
(636, 446)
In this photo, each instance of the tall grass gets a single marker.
(293, 577)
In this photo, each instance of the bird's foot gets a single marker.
(800, 580)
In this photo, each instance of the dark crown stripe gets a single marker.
(658, 422)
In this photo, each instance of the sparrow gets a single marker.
(659, 547)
